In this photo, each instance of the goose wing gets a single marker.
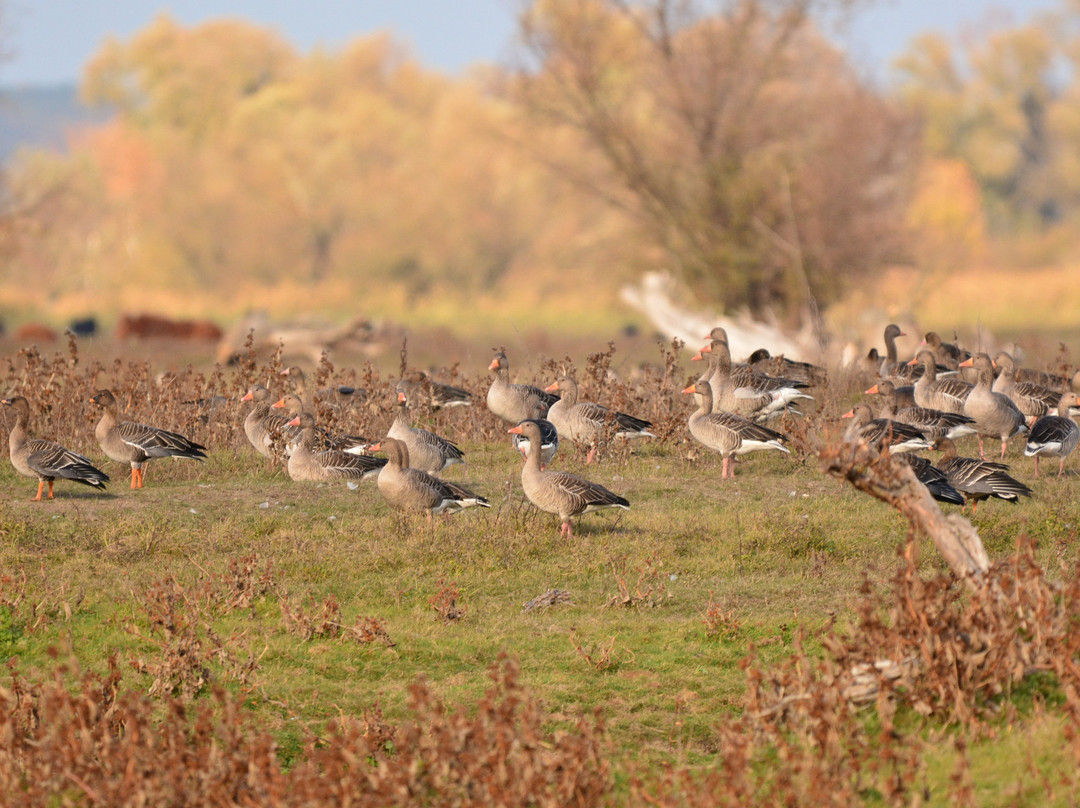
(50, 459)
(155, 442)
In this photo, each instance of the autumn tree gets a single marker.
(746, 146)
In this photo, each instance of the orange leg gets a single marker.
(134, 477)
(50, 489)
(40, 488)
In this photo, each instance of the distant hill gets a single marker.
(41, 117)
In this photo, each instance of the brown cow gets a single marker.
(35, 332)
(151, 326)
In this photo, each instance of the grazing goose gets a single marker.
(935, 480)
(901, 437)
(309, 464)
(946, 353)
(979, 479)
(761, 362)
(934, 424)
(995, 414)
(737, 388)
(415, 490)
(261, 423)
(138, 444)
(560, 492)
(324, 440)
(37, 457)
(427, 451)
(946, 394)
(1033, 400)
(728, 433)
(584, 422)
(1055, 435)
(515, 403)
(549, 441)
(418, 387)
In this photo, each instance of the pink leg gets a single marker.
(1037, 466)
(1004, 443)
(982, 454)
(591, 456)
(1061, 468)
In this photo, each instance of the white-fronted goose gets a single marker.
(780, 366)
(549, 441)
(934, 424)
(262, 422)
(728, 433)
(419, 387)
(415, 490)
(1055, 435)
(138, 444)
(946, 394)
(515, 403)
(979, 479)
(584, 422)
(900, 437)
(995, 414)
(560, 492)
(1033, 400)
(308, 464)
(291, 404)
(427, 451)
(44, 459)
(737, 388)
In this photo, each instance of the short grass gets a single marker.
(781, 548)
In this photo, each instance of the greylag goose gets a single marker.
(427, 451)
(138, 444)
(762, 362)
(549, 441)
(415, 490)
(904, 372)
(308, 464)
(935, 480)
(324, 440)
(44, 459)
(979, 479)
(898, 397)
(1055, 435)
(900, 437)
(584, 422)
(728, 433)
(946, 353)
(1033, 400)
(560, 492)
(995, 414)
(418, 387)
(946, 394)
(262, 423)
(934, 424)
(737, 388)
(515, 403)
(340, 393)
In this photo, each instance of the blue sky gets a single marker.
(49, 41)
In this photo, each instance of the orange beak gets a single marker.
(552, 388)
(515, 430)
(279, 404)
(968, 363)
(706, 348)
(400, 396)
(494, 364)
(248, 397)
(283, 372)
(690, 389)
(375, 447)
(697, 357)
(295, 421)
(848, 414)
(914, 361)
(873, 391)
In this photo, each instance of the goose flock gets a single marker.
(928, 402)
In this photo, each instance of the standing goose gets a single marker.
(1055, 435)
(995, 414)
(261, 423)
(560, 492)
(324, 440)
(897, 397)
(309, 464)
(417, 387)
(946, 394)
(37, 457)
(979, 479)
(138, 444)
(1033, 400)
(427, 451)
(415, 490)
(549, 441)
(901, 437)
(934, 424)
(584, 422)
(728, 433)
(515, 403)
(891, 365)
(737, 388)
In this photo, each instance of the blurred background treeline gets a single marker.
(729, 144)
